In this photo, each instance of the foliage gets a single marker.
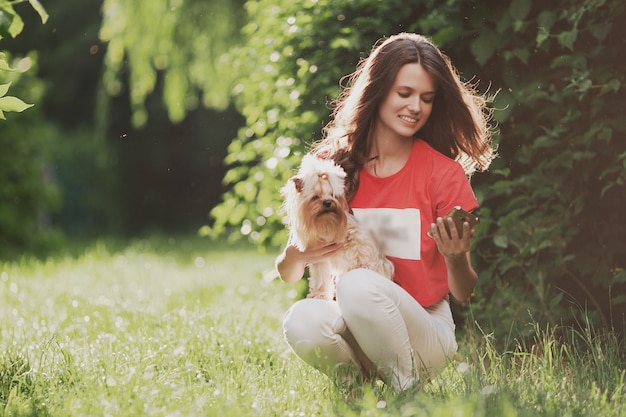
(554, 234)
(288, 68)
(28, 195)
(182, 40)
(107, 331)
(551, 234)
(11, 24)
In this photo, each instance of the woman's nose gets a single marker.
(414, 105)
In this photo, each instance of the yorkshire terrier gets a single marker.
(317, 214)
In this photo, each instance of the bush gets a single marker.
(28, 194)
(551, 235)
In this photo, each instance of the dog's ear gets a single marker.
(298, 183)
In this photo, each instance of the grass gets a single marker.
(186, 327)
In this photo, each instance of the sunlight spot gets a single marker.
(313, 69)
(246, 227)
(259, 176)
(294, 95)
(24, 64)
(270, 275)
(274, 56)
(282, 152)
(272, 116)
(199, 262)
(381, 404)
(271, 163)
(74, 303)
(86, 319)
(283, 141)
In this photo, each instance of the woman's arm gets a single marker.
(456, 252)
(291, 262)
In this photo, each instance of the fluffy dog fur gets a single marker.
(317, 214)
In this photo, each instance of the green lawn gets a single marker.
(187, 327)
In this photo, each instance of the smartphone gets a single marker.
(459, 216)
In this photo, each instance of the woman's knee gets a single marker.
(309, 320)
(357, 288)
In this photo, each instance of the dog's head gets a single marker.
(315, 201)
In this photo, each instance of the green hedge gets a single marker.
(552, 235)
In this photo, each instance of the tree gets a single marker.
(185, 41)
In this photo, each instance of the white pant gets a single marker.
(375, 325)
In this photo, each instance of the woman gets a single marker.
(408, 133)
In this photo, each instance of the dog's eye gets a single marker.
(315, 198)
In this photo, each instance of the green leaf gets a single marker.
(612, 85)
(10, 103)
(542, 35)
(501, 241)
(519, 8)
(4, 88)
(484, 47)
(447, 35)
(503, 106)
(546, 20)
(567, 39)
(40, 10)
(5, 23)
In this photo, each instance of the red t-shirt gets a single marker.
(399, 210)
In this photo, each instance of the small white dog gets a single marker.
(317, 215)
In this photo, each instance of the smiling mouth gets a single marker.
(408, 119)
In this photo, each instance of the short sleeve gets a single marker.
(454, 189)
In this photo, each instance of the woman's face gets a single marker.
(408, 104)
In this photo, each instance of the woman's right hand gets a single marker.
(291, 262)
(314, 255)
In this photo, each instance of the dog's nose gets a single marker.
(327, 204)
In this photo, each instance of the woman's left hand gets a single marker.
(452, 246)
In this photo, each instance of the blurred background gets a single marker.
(180, 117)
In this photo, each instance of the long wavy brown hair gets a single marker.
(458, 126)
